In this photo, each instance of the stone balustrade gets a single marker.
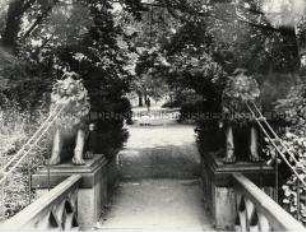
(99, 177)
(239, 197)
(55, 210)
(217, 183)
(256, 211)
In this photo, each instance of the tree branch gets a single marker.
(39, 19)
(17, 8)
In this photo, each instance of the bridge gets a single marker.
(158, 182)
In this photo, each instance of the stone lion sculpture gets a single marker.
(238, 121)
(71, 95)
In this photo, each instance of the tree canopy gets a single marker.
(117, 46)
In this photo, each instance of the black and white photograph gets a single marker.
(153, 115)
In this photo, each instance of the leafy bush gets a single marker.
(171, 104)
(210, 136)
(16, 127)
(288, 181)
(294, 109)
(195, 110)
(110, 131)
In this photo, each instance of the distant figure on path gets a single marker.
(148, 104)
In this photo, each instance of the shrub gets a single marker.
(199, 110)
(210, 137)
(110, 132)
(171, 104)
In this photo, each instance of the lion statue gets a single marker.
(241, 133)
(70, 95)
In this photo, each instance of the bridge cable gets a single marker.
(50, 121)
(283, 156)
(274, 134)
(25, 146)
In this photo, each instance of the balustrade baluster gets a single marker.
(2, 205)
(60, 213)
(238, 200)
(264, 224)
(41, 223)
(237, 220)
(29, 166)
(254, 225)
(238, 224)
(53, 220)
(242, 214)
(298, 200)
(250, 209)
(276, 178)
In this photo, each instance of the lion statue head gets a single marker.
(70, 93)
(240, 89)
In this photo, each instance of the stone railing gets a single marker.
(95, 189)
(256, 211)
(239, 197)
(55, 210)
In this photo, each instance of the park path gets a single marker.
(160, 189)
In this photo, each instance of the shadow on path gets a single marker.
(160, 152)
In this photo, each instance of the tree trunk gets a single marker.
(290, 48)
(302, 47)
(140, 99)
(13, 23)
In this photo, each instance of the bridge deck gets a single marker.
(157, 205)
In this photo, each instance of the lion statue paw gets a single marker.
(54, 160)
(78, 161)
(229, 160)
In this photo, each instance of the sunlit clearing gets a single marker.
(284, 12)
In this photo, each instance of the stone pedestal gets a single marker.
(220, 198)
(93, 192)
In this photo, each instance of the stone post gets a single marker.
(93, 192)
(217, 184)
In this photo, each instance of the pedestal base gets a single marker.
(93, 192)
(220, 197)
